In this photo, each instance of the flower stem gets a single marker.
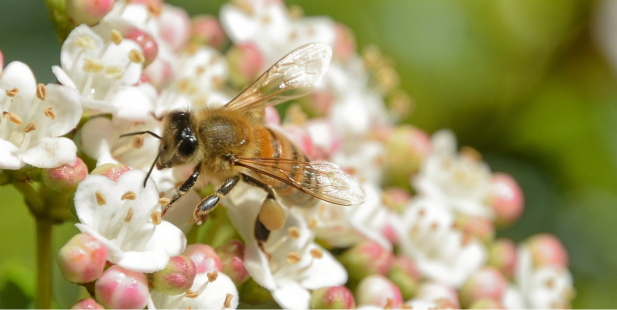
(43, 263)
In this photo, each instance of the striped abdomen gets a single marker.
(276, 145)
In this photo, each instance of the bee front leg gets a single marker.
(208, 203)
(182, 190)
(271, 215)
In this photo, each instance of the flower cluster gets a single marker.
(424, 237)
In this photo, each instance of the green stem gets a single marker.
(43, 263)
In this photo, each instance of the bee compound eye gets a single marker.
(188, 146)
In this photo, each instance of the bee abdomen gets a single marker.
(277, 145)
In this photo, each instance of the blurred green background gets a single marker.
(525, 82)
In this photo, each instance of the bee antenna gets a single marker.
(141, 133)
(152, 167)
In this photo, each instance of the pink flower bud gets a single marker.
(300, 137)
(365, 259)
(272, 116)
(232, 260)
(119, 288)
(503, 256)
(245, 63)
(322, 101)
(204, 257)
(506, 199)
(176, 278)
(65, 177)
(390, 233)
(82, 259)
(337, 297)
(396, 199)
(478, 227)
(152, 3)
(487, 283)
(206, 29)
(326, 139)
(111, 171)
(406, 148)
(345, 42)
(546, 249)
(88, 12)
(175, 25)
(405, 275)
(435, 291)
(1, 62)
(149, 47)
(377, 290)
(87, 303)
(160, 73)
(487, 304)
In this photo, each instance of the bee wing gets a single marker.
(320, 179)
(291, 77)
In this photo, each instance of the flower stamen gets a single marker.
(100, 199)
(227, 303)
(136, 56)
(128, 196)
(138, 142)
(49, 113)
(116, 37)
(129, 215)
(212, 276)
(293, 258)
(41, 92)
(156, 217)
(13, 118)
(12, 92)
(30, 127)
(164, 201)
(316, 253)
(294, 233)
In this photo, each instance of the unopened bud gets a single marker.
(477, 227)
(345, 42)
(272, 116)
(207, 30)
(546, 249)
(435, 291)
(325, 137)
(87, 303)
(377, 290)
(159, 73)
(204, 257)
(232, 260)
(111, 171)
(503, 256)
(487, 283)
(82, 259)
(245, 63)
(365, 259)
(149, 47)
(65, 177)
(396, 199)
(176, 278)
(506, 199)
(337, 297)
(175, 26)
(119, 288)
(88, 12)
(405, 274)
(487, 304)
(406, 148)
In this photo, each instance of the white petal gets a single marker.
(213, 297)
(64, 101)
(85, 199)
(96, 136)
(237, 25)
(324, 272)
(70, 51)
(98, 106)
(292, 296)
(133, 104)
(169, 237)
(9, 156)
(62, 77)
(18, 75)
(256, 263)
(51, 153)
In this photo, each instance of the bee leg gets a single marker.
(271, 215)
(208, 203)
(184, 188)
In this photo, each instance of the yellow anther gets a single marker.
(114, 72)
(13, 118)
(12, 92)
(49, 113)
(93, 65)
(136, 56)
(30, 127)
(41, 91)
(293, 258)
(164, 201)
(85, 42)
(129, 215)
(212, 276)
(128, 196)
(138, 142)
(227, 303)
(294, 233)
(100, 199)
(156, 217)
(316, 253)
(116, 37)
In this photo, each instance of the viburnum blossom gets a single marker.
(126, 217)
(461, 180)
(34, 117)
(290, 263)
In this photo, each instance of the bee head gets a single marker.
(179, 144)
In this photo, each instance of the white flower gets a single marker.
(363, 159)
(102, 72)
(442, 252)
(125, 216)
(268, 25)
(33, 119)
(296, 263)
(211, 295)
(462, 181)
(346, 226)
(542, 286)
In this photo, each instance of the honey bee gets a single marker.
(232, 144)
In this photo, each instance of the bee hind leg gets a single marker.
(207, 204)
(182, 190)
(271, 214)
